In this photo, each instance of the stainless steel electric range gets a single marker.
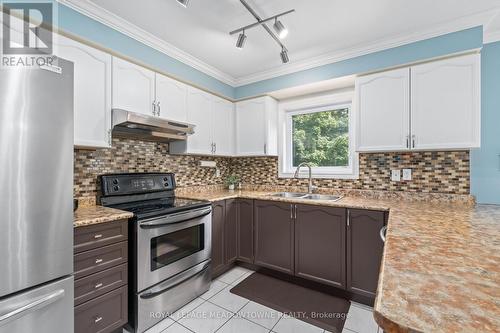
(170, 244)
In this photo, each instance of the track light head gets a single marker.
(183, 3)
(241, 40)
(280, 29)
(284, 56)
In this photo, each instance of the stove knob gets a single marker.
(166, 184)
(115, 181)
(116, 188)
(165, 179)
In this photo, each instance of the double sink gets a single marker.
(307, 196)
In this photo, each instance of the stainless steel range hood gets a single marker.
(143, 127)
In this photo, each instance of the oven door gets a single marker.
(171, 244)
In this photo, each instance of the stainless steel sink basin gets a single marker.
(289, 195)
(322, 197)
(306, 196)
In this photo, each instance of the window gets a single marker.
(321, 136)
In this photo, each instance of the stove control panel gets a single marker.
(137, 183)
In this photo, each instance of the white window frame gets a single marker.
(311, 105)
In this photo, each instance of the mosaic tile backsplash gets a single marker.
(432, 172)
(140, 156)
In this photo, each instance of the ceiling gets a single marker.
(321, 31)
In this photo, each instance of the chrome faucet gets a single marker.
(310, 187)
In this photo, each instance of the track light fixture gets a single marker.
(284, 56)
(280, 29)
(183, 3)
(241, 40)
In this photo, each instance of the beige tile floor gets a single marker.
(220, 311)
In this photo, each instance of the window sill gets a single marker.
(352, 176)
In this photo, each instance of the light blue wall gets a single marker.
(80, 25)
(485, 162)
(434, 47)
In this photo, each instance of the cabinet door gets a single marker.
(383, 101)
(172, 98)
(199, 113)
(218, 222)
(445, 104)
(245, 230)
(274, 234)
(364, 250)
(320, 235)
(222, 126)
(92, 92)
(231, 232)
(250, 127)
(133, 87)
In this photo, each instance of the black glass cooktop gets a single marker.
(157, 207)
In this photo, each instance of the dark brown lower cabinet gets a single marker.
(274, 234)
(231, 232)
(101, 277)
(218, 223)
(364, 250)
(245, 231)
(320, 237)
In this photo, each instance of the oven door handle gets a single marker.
(179, 279)
(175, 218)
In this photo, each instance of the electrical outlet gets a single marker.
(396, 175)
(406, 174)
(217, 172)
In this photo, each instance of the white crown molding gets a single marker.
(462, 23)
(491, 37)
(102, 15)
(111, 20)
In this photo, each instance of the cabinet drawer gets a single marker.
(100, 283)
(97, 260)
(94, 236)
(102, 314)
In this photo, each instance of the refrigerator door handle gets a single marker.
(30, 307)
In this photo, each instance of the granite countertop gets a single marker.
(93, 214)
(441, 265)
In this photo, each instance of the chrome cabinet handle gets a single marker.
(154, 108)
(348, 218)
(413, 141)
(97, 236)
(99, 285)
(295, 211)
(382, 233)
(265, 148)
(215, 147)
(291, 212)
(98, 261)
(159, 108)
(407, 141)
(30, 307)
(97, 319)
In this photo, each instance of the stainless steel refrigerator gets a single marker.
(36, 199)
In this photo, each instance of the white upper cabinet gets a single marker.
(445, 104)
(199, 104)
(133, 87)
(171, 98)
(222, 126)
(383, 102)
(92, 92)
(424, 107)
(256, 127)
(214, 131)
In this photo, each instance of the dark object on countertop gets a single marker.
(331, 312)
(75, 204)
